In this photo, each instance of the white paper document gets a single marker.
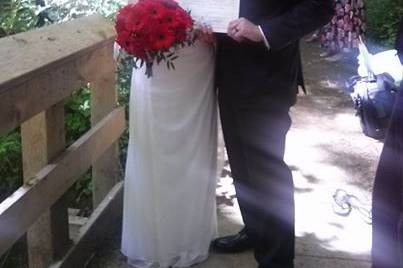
(216, 13)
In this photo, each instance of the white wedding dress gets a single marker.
(169, 205)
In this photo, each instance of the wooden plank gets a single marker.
(26, 55)
(43, 138)
(20, 210)
(20, 102)
(108, 213)
(34, 158)
(106, 170)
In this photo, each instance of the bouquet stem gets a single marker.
(149, 69)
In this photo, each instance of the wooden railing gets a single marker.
(38, 70)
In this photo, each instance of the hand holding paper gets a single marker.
(242, 28)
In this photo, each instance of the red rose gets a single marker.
(162, 38)
(183, 19)
(121, 19)
(168, 17)
(153, 9)
(123, 38)
(131, 46)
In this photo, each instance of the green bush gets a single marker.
(78, 114)
(22, 15)
(16, 16)
(383, 17)
(10, 163)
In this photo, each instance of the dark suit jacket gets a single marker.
(249, 70)
(387, 206)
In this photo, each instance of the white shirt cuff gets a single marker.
(264, 37)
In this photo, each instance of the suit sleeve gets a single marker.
(300, 19)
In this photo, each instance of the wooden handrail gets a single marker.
(38, 70)
(26, 55)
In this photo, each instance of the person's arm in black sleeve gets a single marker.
(302, 18)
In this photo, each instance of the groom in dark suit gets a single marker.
(258, 73)
(387, 204)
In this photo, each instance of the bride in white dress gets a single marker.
(169, 205)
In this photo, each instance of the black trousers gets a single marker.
(255, 133)
(387, 211)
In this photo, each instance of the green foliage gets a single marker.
(81, 194)
(383, 17)
(22, 15)
(78, 114)
(65, 10)
(124, 81)
(16, 16)
(10, 163)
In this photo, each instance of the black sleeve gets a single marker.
(300, 19)
(399, 41)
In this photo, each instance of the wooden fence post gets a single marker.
(104, 98)
(43, 138)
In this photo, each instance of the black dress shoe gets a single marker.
(233, 243)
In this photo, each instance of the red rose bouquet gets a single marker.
(152, 30)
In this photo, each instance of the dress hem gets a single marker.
(183, 260)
